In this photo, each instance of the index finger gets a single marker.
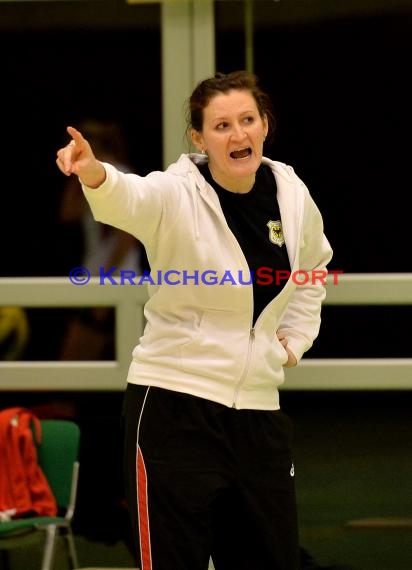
(76, 136)
(72, 149)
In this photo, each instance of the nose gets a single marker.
(238, 132)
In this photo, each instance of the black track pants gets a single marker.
(204, 480)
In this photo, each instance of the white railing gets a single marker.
(128, 300)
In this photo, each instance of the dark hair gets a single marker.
(223, 83)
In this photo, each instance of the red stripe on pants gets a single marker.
(143, 513)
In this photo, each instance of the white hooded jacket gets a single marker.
(199, 337)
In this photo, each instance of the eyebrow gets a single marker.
(225, 118)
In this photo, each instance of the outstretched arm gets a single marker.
(78, 158)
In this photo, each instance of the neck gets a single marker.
(237, 186)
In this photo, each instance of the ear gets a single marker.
(265, 126)
(197, 140)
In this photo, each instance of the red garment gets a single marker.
(23, 485)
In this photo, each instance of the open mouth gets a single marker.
(242, 153)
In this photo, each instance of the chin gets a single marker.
(248, 166)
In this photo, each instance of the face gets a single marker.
(233, 134)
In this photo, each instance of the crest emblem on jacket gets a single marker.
(276, 232)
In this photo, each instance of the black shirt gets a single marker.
(254, 219)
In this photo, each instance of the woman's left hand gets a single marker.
(291, 357)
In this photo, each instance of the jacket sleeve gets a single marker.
(129, 202)
(301, 320)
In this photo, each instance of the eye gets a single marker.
(221, 126)
(248, 120)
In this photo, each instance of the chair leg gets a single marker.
(71, 549)
(48, 551)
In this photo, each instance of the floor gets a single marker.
(354, 460)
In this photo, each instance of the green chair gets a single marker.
(58, 457)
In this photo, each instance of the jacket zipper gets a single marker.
(252, 329)
(246, 368)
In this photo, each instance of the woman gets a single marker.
(209, 470)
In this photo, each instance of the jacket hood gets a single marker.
(186, 166)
